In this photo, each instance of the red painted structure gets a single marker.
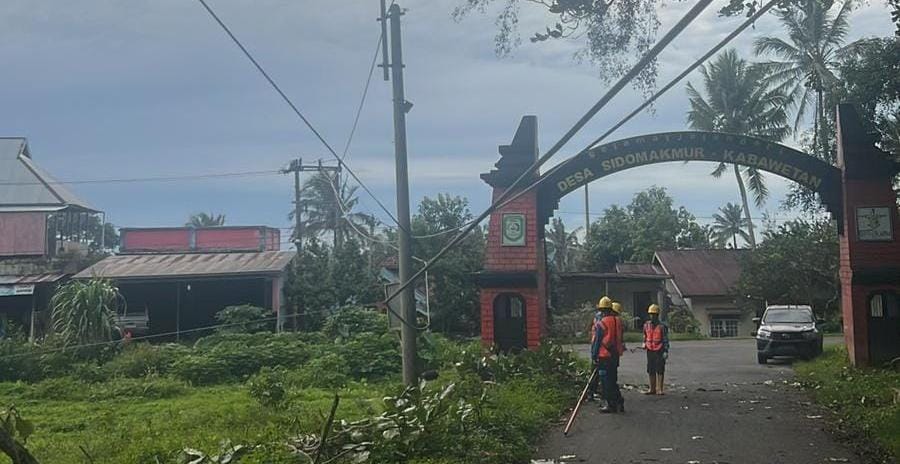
(514, 280)
(23, 234)
(200, 239)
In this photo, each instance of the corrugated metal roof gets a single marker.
(702, 272)
(23, 183)
(638, 268)
(617, 276)
(49, 277)
(159, 266)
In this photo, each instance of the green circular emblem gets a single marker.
(514, 230)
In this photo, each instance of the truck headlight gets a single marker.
(763, 333)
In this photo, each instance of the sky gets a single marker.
(106, 89)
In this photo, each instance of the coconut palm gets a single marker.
(739, 101)
(328, 206)
(816, 31)
(561, 245)
(84, 311)
(729, 224)
(205, 220)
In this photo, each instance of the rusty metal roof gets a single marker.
(702, 272)
(29, 279)
(172, 265)
(638, 268)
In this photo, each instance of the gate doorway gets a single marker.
(509, 322)
(884, 327)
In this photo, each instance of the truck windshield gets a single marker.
(791, 316)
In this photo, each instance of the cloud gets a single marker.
(104, 88)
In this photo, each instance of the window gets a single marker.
(876, 305)
(515, 307)
(721, 327)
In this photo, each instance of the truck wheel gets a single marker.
(761, 358)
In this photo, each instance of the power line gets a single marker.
(296, 110)
(750, 20)
(635, 70)
(122, 180)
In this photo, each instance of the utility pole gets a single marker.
(587, 211)
(401, 107)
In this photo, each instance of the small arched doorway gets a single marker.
(509, 322)
(884, 326)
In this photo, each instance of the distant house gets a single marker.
(42, 227)
(635, 286)
(703, 281)
(174, 280)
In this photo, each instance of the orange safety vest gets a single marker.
(653, 336)
(612, 342)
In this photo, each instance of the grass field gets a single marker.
(867, 401)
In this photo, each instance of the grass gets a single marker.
(138, 429)
(866, 400)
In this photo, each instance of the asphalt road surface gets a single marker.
(720, 407)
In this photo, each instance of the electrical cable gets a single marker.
(161, 335)
(750, 20)
(635, 70)
(150, 179)
(297, 111)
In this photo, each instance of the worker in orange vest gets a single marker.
(656, 342)
(607, 348)
(604, 304)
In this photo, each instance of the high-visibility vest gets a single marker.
(653, 336)
(612, 343)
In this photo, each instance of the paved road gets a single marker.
(721, 407)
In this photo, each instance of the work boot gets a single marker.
(607, 410)
(622, 405)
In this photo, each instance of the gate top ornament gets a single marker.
(764, 155)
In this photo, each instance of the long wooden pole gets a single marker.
(578, 404)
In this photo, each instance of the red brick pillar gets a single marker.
(515, 267)
(870, 250)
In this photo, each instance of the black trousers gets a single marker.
(595, 382)
(609, 378)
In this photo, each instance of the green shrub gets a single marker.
(326, 371)
(199, 369)
(245, 319)
(59, 389)
(17, 361)
(143, 359)
(370, 355)
(149, 387)
(351, 320)
(267, 387)
(681, 320)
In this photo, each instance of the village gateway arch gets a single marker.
(858, 193)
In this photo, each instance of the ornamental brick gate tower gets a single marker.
(858, 193)
(513, 282)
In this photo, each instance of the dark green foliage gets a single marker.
(454, 297)
(326, 371)
(797, 263)
(236, 358)
(353, 281)
(308, 290)
(351, 320)
(369, 355)
(245, 319)
(142, 359)
(650, 223)
(267, 387)
(681, 320)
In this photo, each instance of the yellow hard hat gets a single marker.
(604, 303)
(617, 307)
(653, 309)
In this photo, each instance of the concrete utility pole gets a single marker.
(401, 107)
(587, 211)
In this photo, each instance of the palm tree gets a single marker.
(328, 206)
(561, 245)
(739, 101)
(729, 225)
(815, 38)
(205, 220)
